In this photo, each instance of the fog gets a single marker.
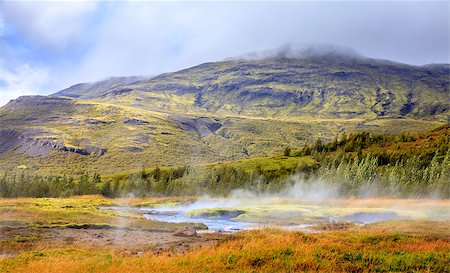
(303, 51)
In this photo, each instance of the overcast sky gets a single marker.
(48, 46)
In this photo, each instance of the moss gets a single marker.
(294, 213)
(81, 212)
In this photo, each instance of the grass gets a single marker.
(393, 246)
(266, 250)
(299, 213)
(78, 212)
(269, 163)
(161, 142)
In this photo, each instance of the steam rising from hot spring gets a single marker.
(299, 205)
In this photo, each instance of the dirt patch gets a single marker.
(128, 239)
(135, 241)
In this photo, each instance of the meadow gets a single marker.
(71, 235)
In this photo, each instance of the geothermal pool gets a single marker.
(225, 215)
(220, 224)
(179, 215)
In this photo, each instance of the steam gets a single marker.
(297, 190)
(300, 205)
(302, 199)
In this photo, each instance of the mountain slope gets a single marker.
(327, 86)
(63, 134)
(239, 108)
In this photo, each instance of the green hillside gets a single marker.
(223, 111)
(325, 86)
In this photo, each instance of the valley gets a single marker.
(330, 162)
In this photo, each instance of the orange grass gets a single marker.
(266, 250)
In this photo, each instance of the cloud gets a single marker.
(150, 38)
(23, 80)
(35, 40)
(303, 51)
(53, 25)
(87, 41)
(2, 26)
(147, 39)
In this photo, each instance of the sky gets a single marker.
(48, 46)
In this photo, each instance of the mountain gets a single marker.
(250, 106)
(327, 83)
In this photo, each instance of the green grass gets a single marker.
(257, 138)
(78, 212)
(299, 213)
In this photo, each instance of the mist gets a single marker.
(302, 51)
(302, 204)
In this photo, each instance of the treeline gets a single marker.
(352, 176)
(27, 185)
(155, 183)
(406, 178)
(187, 180)
(389, 149)
(358, 164)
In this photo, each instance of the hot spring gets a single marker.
(235, 214)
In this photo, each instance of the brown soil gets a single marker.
(132, 241)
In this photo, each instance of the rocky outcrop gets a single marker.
(33, 146)
(203, 126)
(8, 140)
(134, 121)
(44, 102)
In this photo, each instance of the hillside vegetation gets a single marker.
(223, 111)
(325, 85)
(357, 164)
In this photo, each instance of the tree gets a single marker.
(106, 189)
(287, 151)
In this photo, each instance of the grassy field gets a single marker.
(73, 235)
